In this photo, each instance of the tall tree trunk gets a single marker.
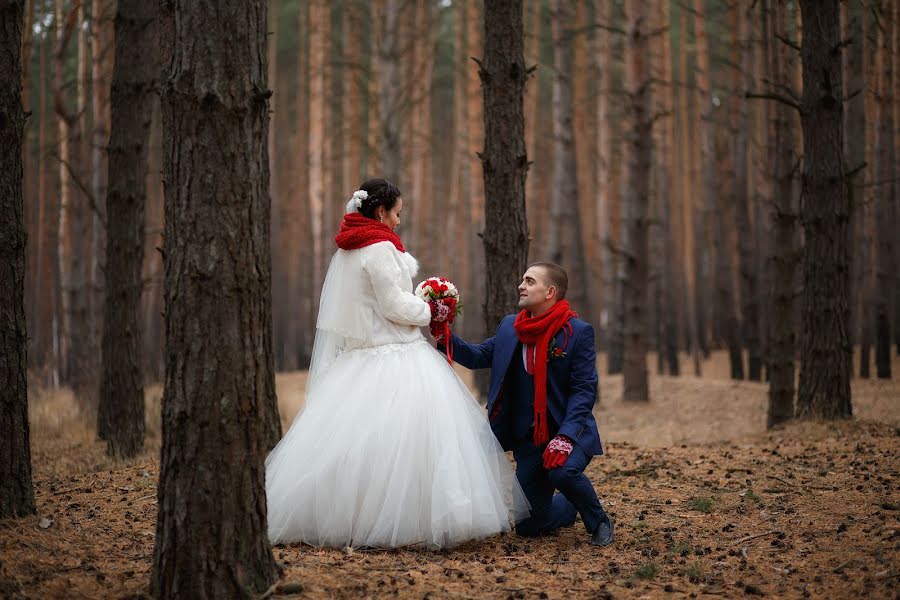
(16, 491)
(601, 65)
(885, 203)
(670, 279)
(477, 209)
(102, 49)
(120, 416)
(868, 197)
(319, 20)
(84, 348)
(896, 54)
(220, 382)
(44, 290)
(747, 235)
(354, 95)
(636, 257)
(784, 257)
(687, 192)
(711, 204)
(457, 218)
(504, 160)
(825, 350)
(855, 146)
(390, 94)
(63, 249)
(418, 144)
(565, 246)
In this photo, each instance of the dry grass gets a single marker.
(690, 478)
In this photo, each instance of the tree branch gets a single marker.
(790, 43)
(776, 97)
(92, 202)
(610, 28)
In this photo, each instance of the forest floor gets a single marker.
(706, 503)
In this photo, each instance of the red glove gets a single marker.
(557, 451)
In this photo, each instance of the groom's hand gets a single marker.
(557, 452)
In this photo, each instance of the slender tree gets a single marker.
(211, 533)
(825, 350)
(16, 492)
(565, 245)
(747, 232)
(784, 257)
(120, 415)
(885, 200)
(855, 145)
(636, 203)
(504, 160)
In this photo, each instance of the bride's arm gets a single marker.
(398, 305)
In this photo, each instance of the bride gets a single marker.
(390, 448)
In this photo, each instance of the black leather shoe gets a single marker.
(604, 534)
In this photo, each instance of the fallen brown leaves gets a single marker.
(809, 510)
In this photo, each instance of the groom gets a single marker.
(543, 388)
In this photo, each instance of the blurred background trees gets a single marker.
(665, 158)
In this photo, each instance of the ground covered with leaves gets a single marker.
(706, 503)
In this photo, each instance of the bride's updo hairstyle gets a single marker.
(381, 193)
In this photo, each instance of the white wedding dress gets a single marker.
(390, 449)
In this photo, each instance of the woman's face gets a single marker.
(391, 218)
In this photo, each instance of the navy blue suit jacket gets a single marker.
(571, 381)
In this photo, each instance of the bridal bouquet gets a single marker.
(443, 297)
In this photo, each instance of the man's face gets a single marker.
(534, 292)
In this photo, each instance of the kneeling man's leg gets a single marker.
(574, 484)
(548, 512)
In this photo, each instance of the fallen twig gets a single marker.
(758, 535)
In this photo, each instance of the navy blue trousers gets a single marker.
(551, 511)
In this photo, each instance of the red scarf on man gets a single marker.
(358, 231)
(537, 331)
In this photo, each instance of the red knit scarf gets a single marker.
(358, 231)
(537, 331)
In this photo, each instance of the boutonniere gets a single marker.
(553, 352)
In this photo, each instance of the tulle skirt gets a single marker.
(392, 451)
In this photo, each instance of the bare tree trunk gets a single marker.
(688, 218)
(354, 95)
(457, 218)
(319, 19)
(824, 389)
(16, 491)
(637, 87)
(85, 341)
(62, 35)
(390, 93)
(220, 382)
(120, 415)
(665, 150)
(885, 215)
(477, 208)
(868, 198)
(504, 160)
(102, 49)
(44, 310)
(784, 258)
(855, 146)
(747, 235)
(565, 241)
(601, 64)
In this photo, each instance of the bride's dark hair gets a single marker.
(381, 193)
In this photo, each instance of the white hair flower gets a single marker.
(358, 197)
